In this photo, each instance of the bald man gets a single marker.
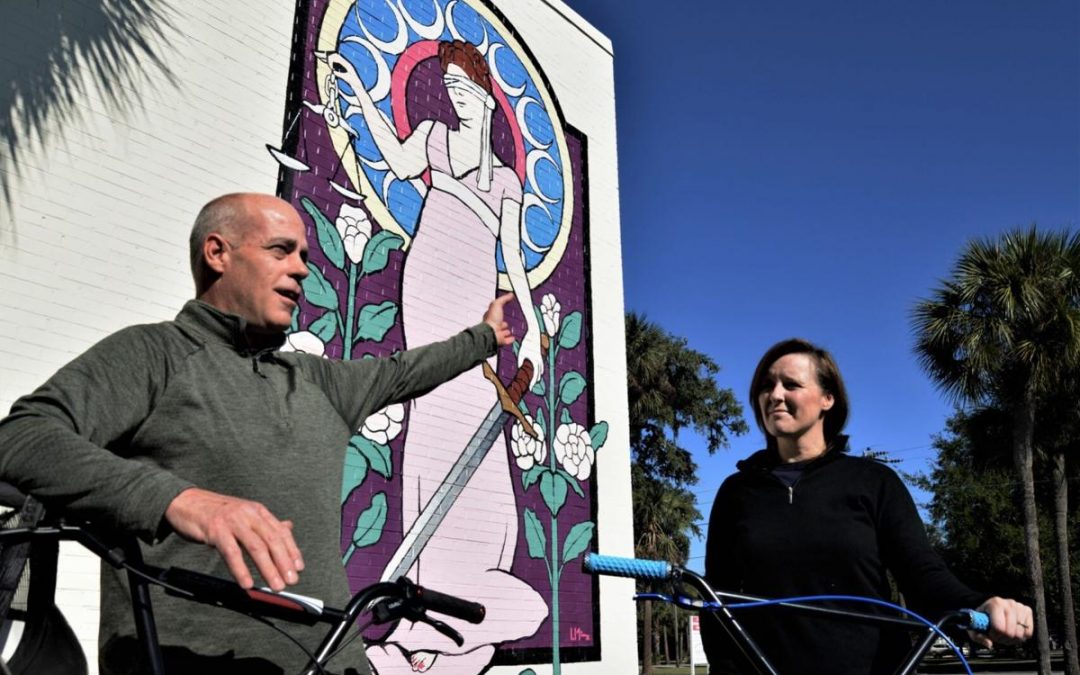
(216, 449)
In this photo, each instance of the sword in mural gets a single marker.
(464, 467)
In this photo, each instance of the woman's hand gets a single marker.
(344, 71)
(1011, 622)
(530, 351)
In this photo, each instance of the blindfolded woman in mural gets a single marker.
(473, 206)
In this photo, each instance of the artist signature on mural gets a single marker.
(578, 635)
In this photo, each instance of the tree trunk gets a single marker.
(1061, 529)
(678, 641)
(1023, 433)
(646, 639)
(663, 638)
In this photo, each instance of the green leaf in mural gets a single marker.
(377, 251)
(376, 320)
(570, 387)
(565, 418)
(356, 471)
(577, 541)
(570, 332)
(295, 325)
(527, 671)
(531, 476)
(534, 536)
(377, 454)
(370, 522)
(325, 327)
(540, 387)
(553, 489)
(598, 435)
(572, 482)
(318, 290)
(540, 420)
(329, 239)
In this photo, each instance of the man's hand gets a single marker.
(1010, 622)
(494, 318)
(236, 526)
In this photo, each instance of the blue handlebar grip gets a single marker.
(977, 621)
(627, 567)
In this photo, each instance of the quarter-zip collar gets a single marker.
(762, 464)
(216, 326)
(764, 461)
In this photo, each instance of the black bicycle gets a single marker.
(51, 648)
(723, 605)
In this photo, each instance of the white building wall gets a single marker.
(123, 118)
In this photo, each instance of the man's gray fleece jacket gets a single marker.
(119, 432)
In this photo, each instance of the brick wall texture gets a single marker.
(122, 118)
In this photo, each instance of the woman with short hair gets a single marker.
(803, 517)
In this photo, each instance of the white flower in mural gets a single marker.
(549, 309)
(528, 451)
(355, 229)
(305, 342)
(573, 449)
(385, 425)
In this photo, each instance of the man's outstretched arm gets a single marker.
(240, 527)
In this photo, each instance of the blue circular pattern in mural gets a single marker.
(393, 48)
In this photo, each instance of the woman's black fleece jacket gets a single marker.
(836, 531)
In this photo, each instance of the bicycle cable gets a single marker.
(263, 620)
(854, 598)
(359, 628)
(349, 640)
(186, 594)
(268, 622)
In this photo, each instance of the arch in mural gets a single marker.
(431, 161)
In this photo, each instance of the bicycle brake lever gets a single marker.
(444, 629)
(399, 609)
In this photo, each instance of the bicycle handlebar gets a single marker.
(634, 568)
(661, 570)
(441, 603)
(387, 601)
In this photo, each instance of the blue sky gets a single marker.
(813, 168)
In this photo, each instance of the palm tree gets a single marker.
(1002, 328)
(669, 387)
(664, 518)
(1064, 440)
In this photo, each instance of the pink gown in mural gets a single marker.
(450, 273)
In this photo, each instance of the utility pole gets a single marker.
(879, 456)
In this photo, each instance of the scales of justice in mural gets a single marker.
(431, 160)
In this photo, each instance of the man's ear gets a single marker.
(215, 252)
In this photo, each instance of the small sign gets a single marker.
(697, 649)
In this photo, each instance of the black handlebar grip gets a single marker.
(473, 612)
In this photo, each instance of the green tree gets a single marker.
(670, 387)
(975, 524)
(1000, 329)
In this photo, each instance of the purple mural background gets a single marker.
(307, 139)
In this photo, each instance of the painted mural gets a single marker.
(430, 159)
